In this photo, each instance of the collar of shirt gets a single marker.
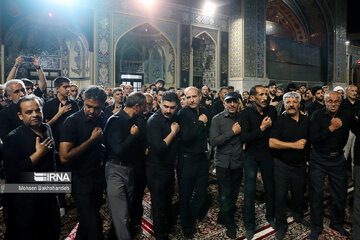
(226, 114)
(58, 100)
(84, 118)
(326, 112)
(265, 109)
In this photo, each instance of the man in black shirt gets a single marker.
(15, 89)
(121, 138)
(193, 164)
(225, 136)
(82, 151)
(256, 121)
(118, 103)
(329, 131)
(218, 105)
(29, 148)
(288, 138)
(59, 108)
(318, 103)
(206, 100)
(161, 133)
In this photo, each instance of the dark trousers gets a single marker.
(32, 216)
(229, 181)
(253, 162)
(136, 211)
(90, 224)
(356, 208)
(193, 174)
(288, 177)
(335, 168)
(161, 185)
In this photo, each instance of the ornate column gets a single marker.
(247, 44)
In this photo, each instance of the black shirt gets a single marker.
(354, 108)
(108, 111)
(256, 141)
(325, 141)
(287, 129)
(193, 132)
(50, 109)
(120, 144)
(160, 155)
(76, 129)
(18, 148)
(9, 120)
(217, 107)
(313, 107)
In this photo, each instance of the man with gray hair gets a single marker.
(14, 89)
(329, 131)
(121, 138)
(288, 138)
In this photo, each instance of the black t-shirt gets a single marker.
(251, 134)
(50, 109)
(18, 148)
(287, 129)
(160, 155)
(77, 129)
(193, 132)
(9, 120)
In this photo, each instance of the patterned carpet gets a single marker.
(209, 229)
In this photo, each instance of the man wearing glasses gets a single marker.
(329, 131)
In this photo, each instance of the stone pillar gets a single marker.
(340, 16)
(247, 45)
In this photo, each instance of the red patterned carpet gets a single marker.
(209, 229)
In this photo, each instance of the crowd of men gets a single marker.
(119, 142)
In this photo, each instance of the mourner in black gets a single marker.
(121, 139)
(82, 152)
(30, 148)
(225, 136)
(318, 102)
(193, 164)
(329, 131)
(288, 138)
(218, 105)
(161, 133)
(59, 108)
(256, 122)
(118, 103)
(14, 89)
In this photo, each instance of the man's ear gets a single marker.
(252, 98)
(20, 116)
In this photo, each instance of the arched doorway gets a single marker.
(204, 61)
(143, 55)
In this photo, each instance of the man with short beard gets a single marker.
(82, 151)
(30, 148)
(121, 138)
(318, 103)
(329, 131)
(225, 136)
(288, 138)
(15, 89)
(161, 136)
(256, 122)
(206, 100)
(273, 100)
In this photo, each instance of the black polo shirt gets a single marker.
(354, 108)
(217, 107)
(9, 120)
(287, 129)
(256, 141)
(50, 109)
(325, 141)
(18, 148)
(160, 155)
(120, 144)
(76, 129)
(193, 132)
(313, 107)
(108, 111)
